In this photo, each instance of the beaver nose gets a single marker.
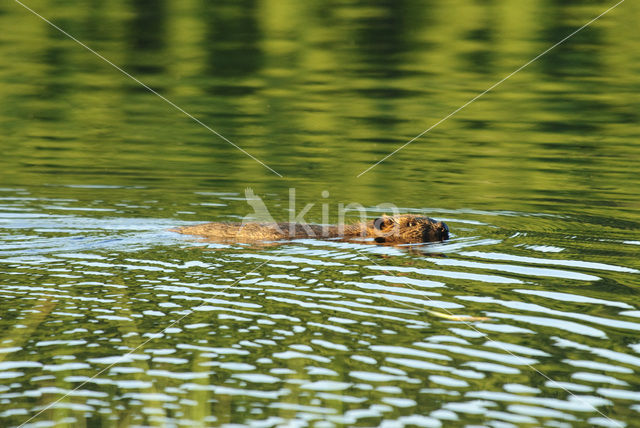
(444, 231)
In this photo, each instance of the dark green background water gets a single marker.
(538, 181)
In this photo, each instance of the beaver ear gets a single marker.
(380, 222)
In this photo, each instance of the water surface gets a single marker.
(110, 319)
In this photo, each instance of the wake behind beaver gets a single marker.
(398, 229)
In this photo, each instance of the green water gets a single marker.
(537, 179)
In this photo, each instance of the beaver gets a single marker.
(397, 229)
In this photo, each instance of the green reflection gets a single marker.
(319, 91)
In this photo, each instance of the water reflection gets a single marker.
(232, 40)
(146, 38)
(126, 323)
(310, 330)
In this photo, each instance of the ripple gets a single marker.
(326, 385)
(522, 270)
(535, 260)
(256, 378)
(574, 298)
(448, 274)
(318, 330)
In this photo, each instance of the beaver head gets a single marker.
(409, 229)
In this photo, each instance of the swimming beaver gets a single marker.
(398, 229)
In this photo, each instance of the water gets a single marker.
(527, 316)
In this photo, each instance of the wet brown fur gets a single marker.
(399, 229)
